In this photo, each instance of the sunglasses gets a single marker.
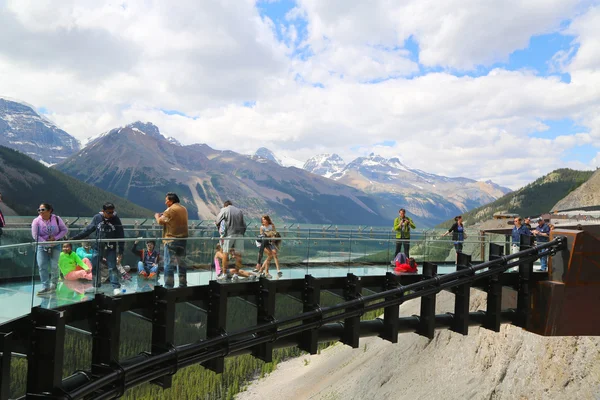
(41, 209)
(109, 212)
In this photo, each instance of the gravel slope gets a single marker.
(511, 364)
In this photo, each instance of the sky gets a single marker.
(502, 90)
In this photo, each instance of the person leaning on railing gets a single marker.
(107, 225)
(458, 234)
(47, 227)
(518, 230)
(542, 235)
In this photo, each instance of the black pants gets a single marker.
(399, 244)
(261, 250)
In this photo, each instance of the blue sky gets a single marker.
(536, 58)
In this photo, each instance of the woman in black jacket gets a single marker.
(458, 234)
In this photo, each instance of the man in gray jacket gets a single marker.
(235, 228)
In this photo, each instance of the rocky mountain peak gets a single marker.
(324, 164)
(147, 128)
(266, 154)
(24, 129)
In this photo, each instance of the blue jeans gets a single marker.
(111, 261)
(544, 259)
(175, 256)
(47, 261)
(146, 269)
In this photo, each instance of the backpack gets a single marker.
(277, 243)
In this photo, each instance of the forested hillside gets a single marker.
(25, 183)
(534, 199)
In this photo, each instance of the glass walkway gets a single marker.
(316, 250)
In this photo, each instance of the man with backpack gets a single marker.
(106, 225)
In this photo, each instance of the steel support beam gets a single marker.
(216, 323)
(5, 359)
(352, 291)
(265, 306)
(163, 329)
(46, 354)
(462, 298)
(311, 298)
(427, 318)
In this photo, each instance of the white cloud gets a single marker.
(98, 65)
(458, 34)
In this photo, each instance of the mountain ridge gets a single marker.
(536, 198)
(25, 183)
(24, 129)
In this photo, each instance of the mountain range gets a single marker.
(23, 129)
(139, 163)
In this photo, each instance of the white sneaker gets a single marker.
(235, 277)
(116, 292)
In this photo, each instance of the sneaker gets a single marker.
(117, 291)
(143, 274)
(46, 291)
(279, 273)
(235, 277)
(152, 275)
(252, 277)
(255, 270)
(268, 276)
(126, 276)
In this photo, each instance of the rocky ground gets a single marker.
(585, 195)
(511, 364)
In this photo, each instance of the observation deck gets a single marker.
(78, 343)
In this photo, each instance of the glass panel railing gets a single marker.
(319, 252)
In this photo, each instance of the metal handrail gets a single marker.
(146, 368)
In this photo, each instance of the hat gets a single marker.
(540, 219)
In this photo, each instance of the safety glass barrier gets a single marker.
(293, 254)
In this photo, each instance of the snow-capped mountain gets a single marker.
(265, 154)
(23, 129)
(141, 128)
(376, 174)
(324, 164)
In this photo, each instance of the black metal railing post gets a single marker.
(460, 323)
(265, 307)
(46, 354)
(5, 358)
(524, 295)
(163, 329)
(311, 299)
(427, 318)
(216, 323)
(391, 313)
(106, 337)
(494, 293)
(352, 291)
